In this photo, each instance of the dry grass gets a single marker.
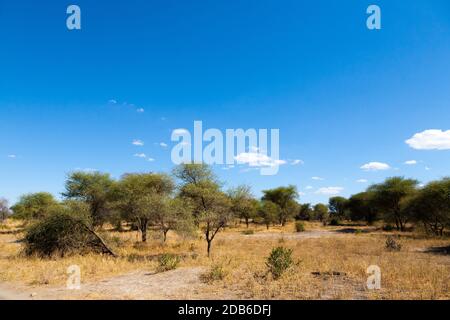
(329, 267)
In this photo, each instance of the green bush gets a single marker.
(279, 260)
(61, 234)
(299, 226)
(388, 227)
(215, 273)
(168, 261)
(248, 232)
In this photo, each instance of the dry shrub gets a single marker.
(168, 261)
(60, 234)
(279, 260)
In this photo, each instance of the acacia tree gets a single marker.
(211, 206)
(171, 214)
(337, 206)
(34, 206)
(431, 206)
(305, 212)
(361, 207)
(321, 212)
(92, 188)
(243, 204)
(142, 197)
(285, 198)
(268, 212)
(4, 209)
(389, 196)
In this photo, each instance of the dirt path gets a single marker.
(8, 293)
(182, 283)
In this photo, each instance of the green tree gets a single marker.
(172, 214)
(211, 206)
(34, 206)
(431, 206)
(142, 198)
(94, 189)
(321, 212)
(243, 204)
(285, 198)
(361, 207)
(268, 212)
(389, 196)
(4, 209)
(305, 212)
(337, 206)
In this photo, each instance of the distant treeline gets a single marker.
(191, 198)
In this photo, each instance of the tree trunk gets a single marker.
(144, 234)
(246, 222)
(165, 235)
(209, 247)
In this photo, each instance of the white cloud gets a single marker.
(138, 142)
(256, 159)
(375, 166)
(432, 139)
(112, 101)
(140, 155)
(140, 110)
(427, 168)
(162, 144)
(150, 159)
(317, 178)
(361, 180)
(330, 190)
(301, 193)
(410, 162)
(296, 162)
(12, 156)
(309, 187)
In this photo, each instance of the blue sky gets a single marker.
(342, 96)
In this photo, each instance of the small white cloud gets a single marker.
(112, 101)
(361, 180)
(256, 159)
(427, 168)
(421, 185)
(301, 193)
(375, 166)
(140, 155)
(297, 162)
(138, 142)
(317, 178)
(432, 139)
(150, 159)
(12, 156)
(330, 190)
(140, 110)
(410, 162)
(309, 187)
(162, 144)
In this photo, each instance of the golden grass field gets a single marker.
(331, 264)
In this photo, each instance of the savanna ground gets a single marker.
(331, 263)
